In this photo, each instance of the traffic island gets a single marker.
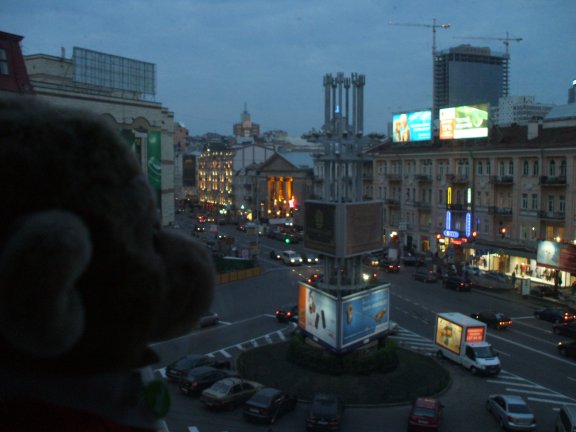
(414, 375)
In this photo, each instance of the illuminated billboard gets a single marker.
(556, 255)
(464, 122)
(412, 126)
(448, 335)
(344, 322)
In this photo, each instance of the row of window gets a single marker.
(505, 168)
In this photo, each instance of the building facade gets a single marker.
(87, 81)
(496, 197)
(519, 110)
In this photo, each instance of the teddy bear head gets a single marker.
(88, 276)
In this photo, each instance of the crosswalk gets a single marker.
(413, 342)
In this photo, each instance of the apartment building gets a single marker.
(495, 196)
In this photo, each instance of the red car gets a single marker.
(425, 415)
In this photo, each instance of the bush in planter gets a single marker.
(381, 360)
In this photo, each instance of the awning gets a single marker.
(485, 249)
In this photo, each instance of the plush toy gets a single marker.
(88, 277)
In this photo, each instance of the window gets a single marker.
(524, 200)
(534, 201)
(552, 168)
(479, 199)
(525, 169)
(3, 62)
(440, 196)
(561, 203)
(501, 169)
(535, 169)
(550, 203)
(563, 168)
(479, 167)
(488, 168)
(511, 168)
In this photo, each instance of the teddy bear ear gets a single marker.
(41, 312)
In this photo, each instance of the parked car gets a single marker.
(425, 275)
(290, 257)
(495, 320)
(390, 266)
(567, 349)
(555, 314)
(268, 404)
(565, 329)
(511, 412)
(425, 415)
(275, 255)
(566, 419)
(176, 370)
(229, 393)
(325, 413)
(310, 258)
(457, 282)
(287, 313)
(314, 278)
(210, 319)
(202, 377)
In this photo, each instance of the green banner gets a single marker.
(154, 162)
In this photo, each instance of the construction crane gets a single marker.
(434, 26)
(506, 40)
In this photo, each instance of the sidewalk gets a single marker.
(529, 300)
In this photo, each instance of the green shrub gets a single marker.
(359, 362)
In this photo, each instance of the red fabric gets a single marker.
(35, 416)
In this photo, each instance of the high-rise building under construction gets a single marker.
(467, 75)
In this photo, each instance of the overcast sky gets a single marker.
(212, 56)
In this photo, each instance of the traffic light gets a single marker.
(287, 240)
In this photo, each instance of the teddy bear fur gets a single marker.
(88, 276)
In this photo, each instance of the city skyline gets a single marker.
(212, 57)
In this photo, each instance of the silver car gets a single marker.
(512, 412)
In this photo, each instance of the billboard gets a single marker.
(361, 227)
(561, 256)
(344, 322)
(448, 334)
(365, 315)
(412, 126)
(470, 121)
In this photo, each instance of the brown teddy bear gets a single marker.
(88, 277)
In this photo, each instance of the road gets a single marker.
(531, 366)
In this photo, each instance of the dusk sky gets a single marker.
(213, 56)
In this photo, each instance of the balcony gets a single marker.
(421, 205)
(423, 178)
(505, 211)
(392, 202)
(502, 180)
(394, 177)
(458, 207)
(457, 179)
(551, 215)
(552, 181)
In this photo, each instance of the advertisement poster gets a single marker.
(365, 316)
(317, 314)
(548, 253)
(154, 163)
(413, 126)
(448, 335)
(464, 122)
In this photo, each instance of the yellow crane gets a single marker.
(505, 40)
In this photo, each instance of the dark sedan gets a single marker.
(201, 378)
(495, 320)
(325, 413)
(390, 266)
(555, 315)
(565, 329)
(268, 404)
(425, 275)
(567, 349)
(287, 313)
(178, 369)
